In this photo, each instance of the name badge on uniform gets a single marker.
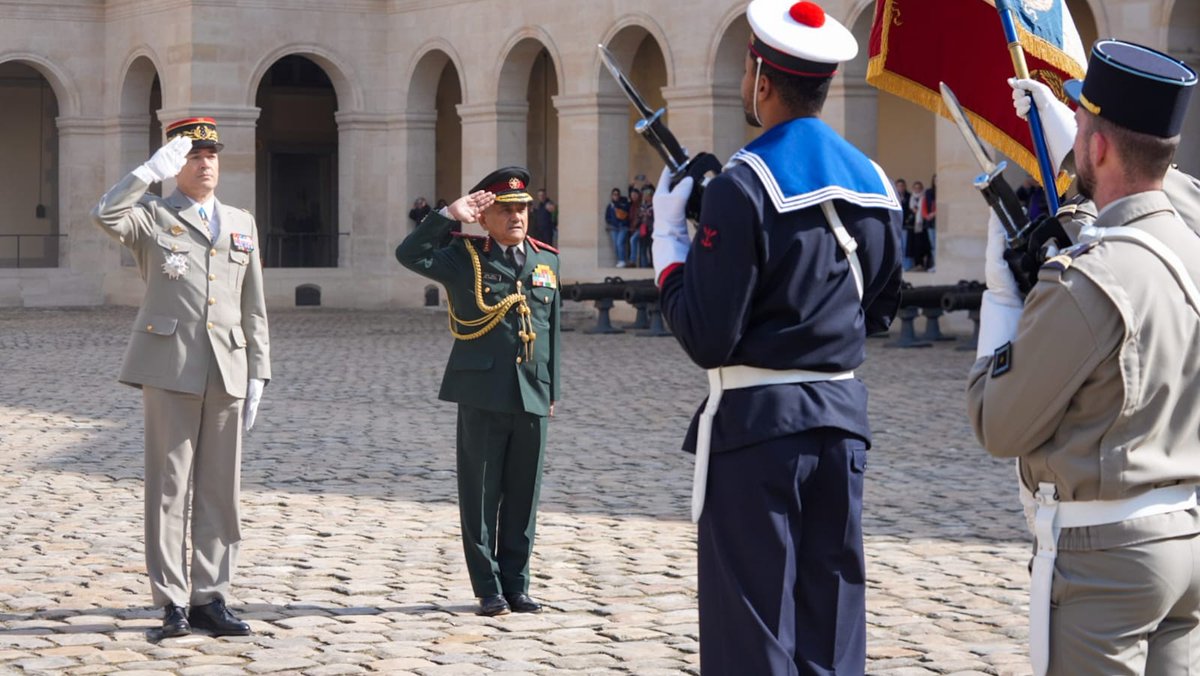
(243, 242)
(543, 275)
(491, 277)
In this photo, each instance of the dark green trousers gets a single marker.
(499, 481)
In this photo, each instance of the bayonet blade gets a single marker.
(968, 132)
(631, 92)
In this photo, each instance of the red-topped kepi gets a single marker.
(798, 38)
(202, 131)
(508, 184)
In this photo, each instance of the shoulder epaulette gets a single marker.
(1067, 256)
(539, 245)
(487, 241)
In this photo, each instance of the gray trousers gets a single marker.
(195, 442)
(1127, 611)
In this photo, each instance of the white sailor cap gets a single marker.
(798, 37)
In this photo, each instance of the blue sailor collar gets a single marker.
(804, 162)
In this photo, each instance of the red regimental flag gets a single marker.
(915, 44)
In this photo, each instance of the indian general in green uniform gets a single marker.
(504, 306)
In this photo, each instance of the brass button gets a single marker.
(210, 325)
(212, 278)
(174, 247)
(546, 299)
(149, 327)
(212, 252)
(212, 301)
(518, 360)
(487, 289)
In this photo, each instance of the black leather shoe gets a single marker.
(521, 603)
(491, 606)
(215, 618)
(174, 622)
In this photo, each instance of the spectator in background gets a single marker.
(904, 197)
(1033, 198)
(929, 220)
(419, 210)
(645, 227)
(917, 247)
(616, 221)
(542, 222)
(635, 210)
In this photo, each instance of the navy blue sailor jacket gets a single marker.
(775, 290)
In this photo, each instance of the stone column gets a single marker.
(87, 254)
(962, 213)
(493, 136)
(364, 211)
(412, 166)
(853, 110)
(593, 138)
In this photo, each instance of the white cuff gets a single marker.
(999, 315)
(144, 173)
(667, 251)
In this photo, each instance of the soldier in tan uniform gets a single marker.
(201, 356)
(1094, 385)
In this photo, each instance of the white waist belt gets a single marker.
(1052, 516)
(736, 378)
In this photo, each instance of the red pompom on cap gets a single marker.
(807, 14)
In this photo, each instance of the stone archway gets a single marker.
(730, 129)
(527, 84)
(29, 183)
(434, 130)
(296, 165)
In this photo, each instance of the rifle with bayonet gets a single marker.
(1027, 244)
(652, 128)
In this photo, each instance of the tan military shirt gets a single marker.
(204, 300)
(1099, 393)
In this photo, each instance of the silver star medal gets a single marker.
(176, 265)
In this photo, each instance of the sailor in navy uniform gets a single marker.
(796, 258)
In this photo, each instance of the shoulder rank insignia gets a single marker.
(1067, 256)
(1002, 360)
(543, 275)
(243, 242)
(539, 245)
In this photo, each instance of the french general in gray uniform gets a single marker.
(200, 353)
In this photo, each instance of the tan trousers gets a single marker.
(1127, 611)
(192, 441)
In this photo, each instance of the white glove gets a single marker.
(670, 241)
(1058, 122)
(167, 161)
(1000, 309)
(254, 390)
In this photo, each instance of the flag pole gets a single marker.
(1035, 121)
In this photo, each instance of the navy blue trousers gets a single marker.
(781, 566)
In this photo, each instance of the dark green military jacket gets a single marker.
(492, 366)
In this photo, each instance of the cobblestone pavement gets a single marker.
(351, 561)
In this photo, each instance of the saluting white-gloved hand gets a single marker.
(670, 240)
(254, 390)
(1058, 121)
(167, 161)
(1000, 309)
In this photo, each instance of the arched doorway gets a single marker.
(296, 165)
(627, 159)
(730, 129)
(140, 130)
(434, 132)
(528, 82)
(29, 213)
(1183, 42)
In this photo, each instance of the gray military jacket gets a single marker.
(1101, 396)
(203, 301)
